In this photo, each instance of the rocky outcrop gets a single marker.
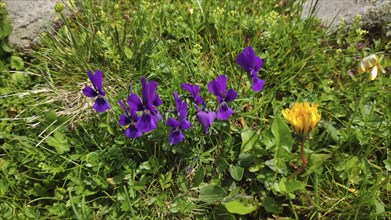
(376, 14)
(29, 18)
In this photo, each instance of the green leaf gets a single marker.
(221, 165)
(128, 53)
(315, 161)
(18, 77)
(59, 142)
(236, 172)
(293, 185)
(50, 116)
(379, 206)
(282, 134)
(249, 140)
(333, 132)
(240, 207)
(211, 193)
(199, 176)
(277, 164)
(16, 63)
(245, 159)
(271, 205)
(6, 47)
(387, 162)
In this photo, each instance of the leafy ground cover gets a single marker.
(61, 159)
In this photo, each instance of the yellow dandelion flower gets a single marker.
(302, 116)
(371, 63)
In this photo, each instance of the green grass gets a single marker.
(59, 159)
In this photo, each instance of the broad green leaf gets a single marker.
(249, 140)
(240, 207)
(271, 205)
(245, 159)
(6, 47)
(236, 172)
(220, 212)
(293, 185)
(278, 165)
(199, 176)
(51, 116)
(282, 134)
(379, 206)
(59, 142)
(334, 133)
(6, 27)
(315, 161)
(16, 63)
(128, 53)
(221, 165)
(19, 77)
(211, 193)
(182, 183)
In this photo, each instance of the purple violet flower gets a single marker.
(218, 88)
(129, 119)
(252, 64)
(193, 90)
(206, 118)
(150, 100)
(176, 135)
(96, 79)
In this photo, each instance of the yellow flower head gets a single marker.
(371, 63)
(302, 116)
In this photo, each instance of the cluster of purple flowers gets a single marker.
(142, 115)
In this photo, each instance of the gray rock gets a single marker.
(29, 18)
(376, 14)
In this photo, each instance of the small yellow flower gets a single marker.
(371, 63)
(302, 116)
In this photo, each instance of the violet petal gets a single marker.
(147, 122)
(132, 132)
(175, 136)
(224, 112)
(230, 95)
(89, 92)
(134, 103)
(101, 105)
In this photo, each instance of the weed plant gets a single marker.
(60, 159)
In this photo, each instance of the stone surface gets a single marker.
(29, 18)
(376, 14)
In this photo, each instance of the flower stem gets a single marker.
(303, 161)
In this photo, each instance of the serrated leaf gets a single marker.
(240, 207)
(211, 193)
(236, 172)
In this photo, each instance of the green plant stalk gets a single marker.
(316, 195)
(303, 161)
